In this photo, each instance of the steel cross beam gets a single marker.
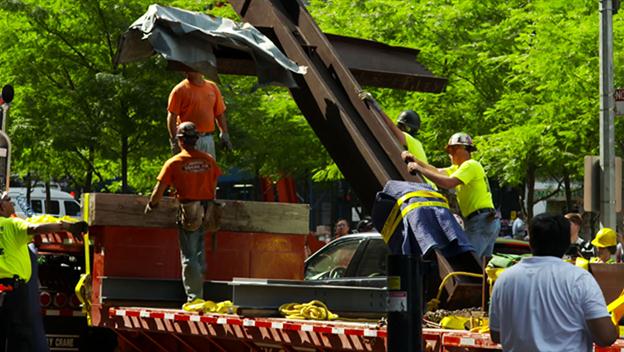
(355, 137)
(371, 63)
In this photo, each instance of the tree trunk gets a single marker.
(48, 198)
(124, 164)
(530, 184)
(89, 177)
(521, 198)
(28, 188)
(568, 191)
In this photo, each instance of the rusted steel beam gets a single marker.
(371, 63)
(356, 138)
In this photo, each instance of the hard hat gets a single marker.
(461, 138)
(187, 129)
(606, 237)
(410, 119)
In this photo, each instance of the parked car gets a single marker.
(360, 259)
(61, 203)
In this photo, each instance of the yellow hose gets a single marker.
(433, 304)
(315, 310)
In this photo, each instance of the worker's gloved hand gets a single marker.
(175, 148)
(225, 141)
(149, 207)
(407, 157)
(413, 168)
(79, 227)
(365, 96)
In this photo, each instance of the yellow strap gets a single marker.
(395, 210)
(315, 310)
(85, 278)
(389, 228)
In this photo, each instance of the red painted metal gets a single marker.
(154, 253)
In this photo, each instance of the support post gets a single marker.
(607, 134)
(405, 303)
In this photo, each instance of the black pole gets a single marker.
(405, 303)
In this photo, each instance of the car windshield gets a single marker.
(332, 262)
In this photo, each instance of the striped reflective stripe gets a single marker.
(395, 217)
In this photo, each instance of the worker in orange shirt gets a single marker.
(193, 174)
(198, 100)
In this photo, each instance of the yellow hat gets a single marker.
(606, 237)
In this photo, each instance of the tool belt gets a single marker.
(193, 215)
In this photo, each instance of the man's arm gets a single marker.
(371, 102)
(73, 227)
(222, 123)
(603, 332)
(433, 174)
(172, 121)
(157, 194)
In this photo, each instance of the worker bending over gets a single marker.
(545, 304)
(193, 174)
(467, 176)
(16, 330)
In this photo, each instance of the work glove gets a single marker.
(407, 157)
(175, 148)
(368, 99)
(77, 228)
(365, 96)
(149, 207)
(225, 141)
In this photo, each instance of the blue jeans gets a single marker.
(206, 144)
(193, 262)
(482, 233)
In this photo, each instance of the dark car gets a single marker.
(360, 259)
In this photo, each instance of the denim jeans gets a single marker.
(193, 262)
(206, 144)
(482, 233)
(16, 332)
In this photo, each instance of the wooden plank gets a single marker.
(107, 209)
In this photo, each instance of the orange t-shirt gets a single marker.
(198, 104)
(192, 173)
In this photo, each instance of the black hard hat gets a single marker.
(410, 119)
(187, 129)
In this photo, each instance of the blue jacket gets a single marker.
(414, 218)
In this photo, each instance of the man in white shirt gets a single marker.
(546, 304)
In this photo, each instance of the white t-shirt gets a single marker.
(542, 304)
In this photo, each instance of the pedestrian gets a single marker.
(341, 228)
(468, 178)
(193, 174)
(606, 245)
(545, 304)
(198, 100)
(578, 247)
(16, 310)
(518, 227)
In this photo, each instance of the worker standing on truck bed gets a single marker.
(545, 304)
(16, 330)
(473, 190)
(198, 100)
(193, 174)
(405, 130)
